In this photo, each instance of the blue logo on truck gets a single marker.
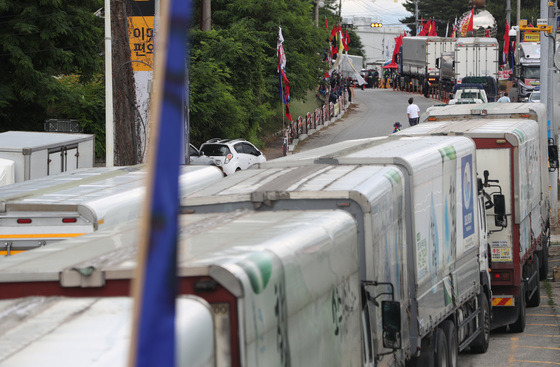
(467, 186)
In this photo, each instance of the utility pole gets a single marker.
(508, 12)
(206, 15)
(416, 14)
(109, 120)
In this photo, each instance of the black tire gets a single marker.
(450, 332)
(543, 270)
(519, 325)
(535, 300)
(440, 357)
(481, 342)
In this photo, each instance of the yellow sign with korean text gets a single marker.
(141, 40)
(532, 37)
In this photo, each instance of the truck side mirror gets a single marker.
(500, 218)
(391, 322)
(552, 157)
(437, 62)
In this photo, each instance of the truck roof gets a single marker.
(537, 111)
(91, 331)
(17, 141)
(395, 150)
(216, 243)
(87, 185)
(514, 131)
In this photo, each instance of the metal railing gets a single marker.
(305, 125)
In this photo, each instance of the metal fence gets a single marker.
(305, 125)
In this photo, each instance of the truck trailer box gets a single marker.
(281, 285)
(420, 54)
(509, 149)
(39, 154)
(44, 210)
(416, 205)
(475, 56)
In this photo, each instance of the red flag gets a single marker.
(398, 44)
(433, 29)
(470, 24)
(454, 33)
(333, 31)
(347, 38)
(425, 26)
(487, 34)
(326, 23)
(506, 42)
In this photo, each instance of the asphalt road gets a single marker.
(373, 113)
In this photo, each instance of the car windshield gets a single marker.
(215, 150)
(535, 96)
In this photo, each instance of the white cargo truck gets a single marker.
(39, 154)
(275, 295)
(470, 57)
(362, 253)
(420, 58)
(38, 212)
(512, 154)
(421, 247)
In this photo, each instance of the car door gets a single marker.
(245, 160)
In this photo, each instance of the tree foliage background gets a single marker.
(234, 80)
(41, 41)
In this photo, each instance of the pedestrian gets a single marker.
(396, 127)
(504, 98)
(413, 112)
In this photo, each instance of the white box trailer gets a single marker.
(511, 147)
(415, 202)
(39, 154)
(470, 56)
(89, 331)
(41, 211)
(420, 54)
(281, 286)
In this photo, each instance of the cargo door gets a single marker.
(55, 162)
(499, 165)
(71, 158)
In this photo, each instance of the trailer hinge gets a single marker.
(82, 277)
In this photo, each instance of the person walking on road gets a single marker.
(504, 99)
(413, 112)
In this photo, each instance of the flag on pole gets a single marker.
(153, 326)
(326, 24)
(425, 28)
(506, 42)
(283, 79)
(467, 24)
(433, 29)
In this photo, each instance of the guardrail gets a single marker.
(308, 124)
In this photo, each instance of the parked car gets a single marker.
(232, 154)
(534, 97)
(199, 159)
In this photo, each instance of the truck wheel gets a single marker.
(480, 344)
(452, 346)
(441, 357)
(543, 270)
(519, 325)
(535, 300)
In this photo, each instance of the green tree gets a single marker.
(234, 79)
(40, 41)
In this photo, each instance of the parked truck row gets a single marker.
(367, 252)
(446, 62)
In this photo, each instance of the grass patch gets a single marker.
(548, 289)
